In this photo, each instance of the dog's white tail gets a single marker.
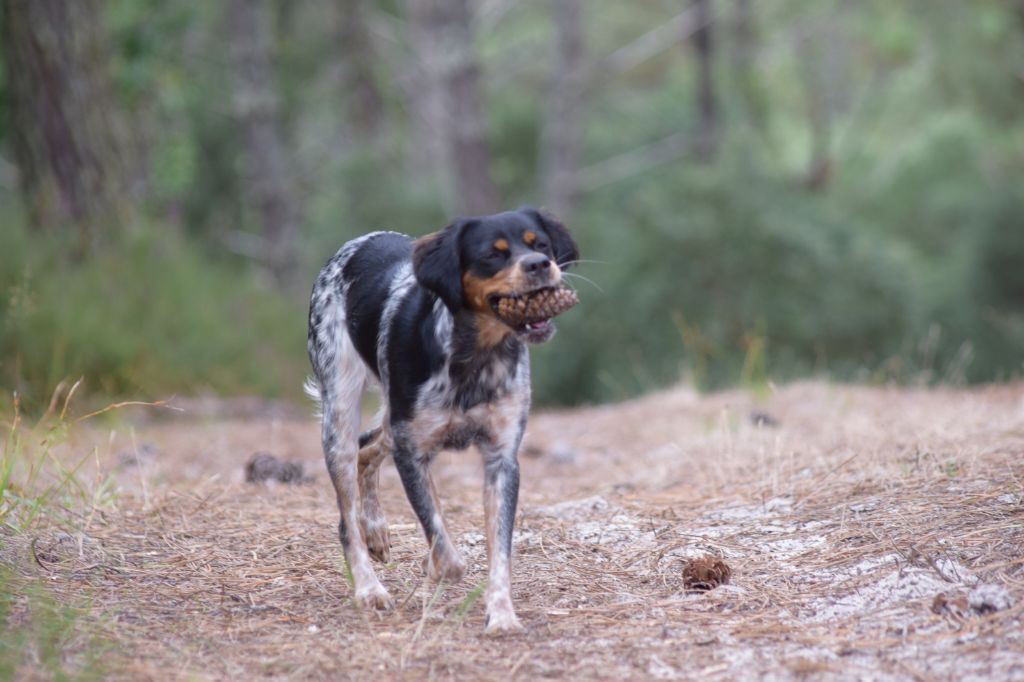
(312, 389)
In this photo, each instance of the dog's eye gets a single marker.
(540, 245)
(497, 255)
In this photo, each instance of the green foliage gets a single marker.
(902, 262)
(41, 636)
(466, 605)
(905, 267)
(735, 274)
(148, 318)
(36, 486)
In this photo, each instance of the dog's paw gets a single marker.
(373, 596)
(378, 539)
(501, 621)
(447, 568)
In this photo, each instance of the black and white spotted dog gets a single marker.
(417, 318)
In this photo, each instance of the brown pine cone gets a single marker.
(542, 305)
(706, 573)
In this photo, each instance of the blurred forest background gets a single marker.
(772, 189)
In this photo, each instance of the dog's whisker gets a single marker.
(567, 283)
(585, 279)
(583, 260)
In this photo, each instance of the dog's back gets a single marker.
(368, 292)
(376, 266)
(350, 297)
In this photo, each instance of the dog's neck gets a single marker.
(479, 342)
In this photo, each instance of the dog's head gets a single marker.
(473, 263)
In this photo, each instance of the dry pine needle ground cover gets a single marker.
(871, 533)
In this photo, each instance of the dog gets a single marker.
(418, 318)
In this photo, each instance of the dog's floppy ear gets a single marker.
(436, 264)
(562, 244)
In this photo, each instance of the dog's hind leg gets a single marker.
(374, 446)
(341, 386)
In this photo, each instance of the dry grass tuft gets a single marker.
(842, 523)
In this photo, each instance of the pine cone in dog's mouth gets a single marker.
(523, 311)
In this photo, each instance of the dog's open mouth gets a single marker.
(530, 313)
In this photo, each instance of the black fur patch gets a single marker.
(369, 274)
(562, 243)
(437, 263)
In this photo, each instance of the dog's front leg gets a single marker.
(501, 494)
(443, 562)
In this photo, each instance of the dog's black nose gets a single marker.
(536, 263)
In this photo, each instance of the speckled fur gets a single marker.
(443, 386)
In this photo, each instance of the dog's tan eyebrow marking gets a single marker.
(530, 237)
(501, 245)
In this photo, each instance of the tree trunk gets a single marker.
(707, 99)
(563, 112)
(444, 42)
(824, 53)
(362, 95)
(428, 150)
(265, 173)
(66, 138)
(745, 47)
(744, 37)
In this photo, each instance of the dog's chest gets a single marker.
(451, 428)
(483, 410)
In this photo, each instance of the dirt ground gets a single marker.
(872, 533)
